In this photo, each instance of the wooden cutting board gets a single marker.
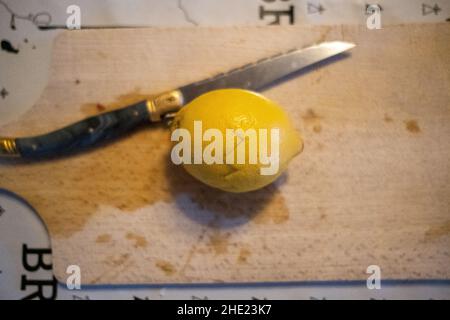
(371, 187)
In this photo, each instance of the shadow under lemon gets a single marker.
(220, 209)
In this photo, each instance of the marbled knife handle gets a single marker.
(89, 131)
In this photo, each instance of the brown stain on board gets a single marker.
(116, 264)
(276, 212)
(166, 267)
(117, 260)
(412, 126)
(243, 256)
(317, 128)
(100, 107)
(219, 242)
(310, 116)
(387, 118)
(312, 120)
(103, 238)
(138, 240)
(438, 231)
(129, 173)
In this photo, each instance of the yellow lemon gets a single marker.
(226, 111)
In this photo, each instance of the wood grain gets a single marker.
(371, 187)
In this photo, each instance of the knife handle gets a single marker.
(90, 131)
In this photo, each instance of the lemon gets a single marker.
(231, 109)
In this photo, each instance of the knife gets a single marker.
(85, 133)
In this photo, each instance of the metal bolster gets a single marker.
(8, 148)
(164, 104)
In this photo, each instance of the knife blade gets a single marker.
(88, 132)
(262, 73)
